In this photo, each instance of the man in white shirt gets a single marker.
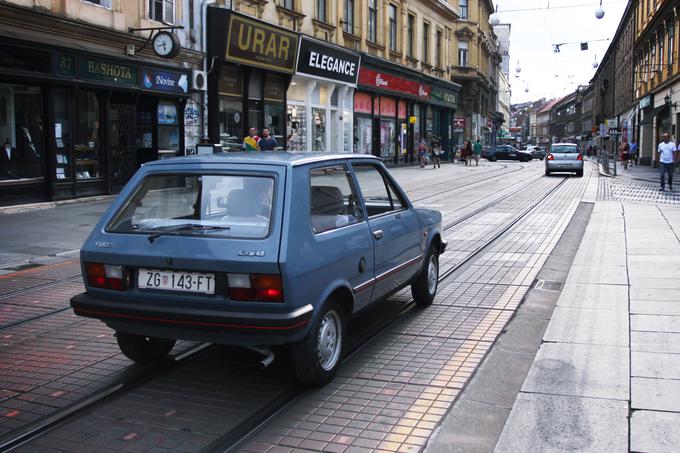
(667, 155)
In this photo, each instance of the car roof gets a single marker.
(262, 157)
(564, 144)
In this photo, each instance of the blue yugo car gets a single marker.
(256, 249)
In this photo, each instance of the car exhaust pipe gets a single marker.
(266, 352)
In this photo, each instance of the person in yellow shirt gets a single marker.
(251, 142)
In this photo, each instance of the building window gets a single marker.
(652, 62)
(411, 30)
(662, 38)
(162, 10)
(372, 21)
(438, 49)
(463, 9)
(393, 26)
(348, 25)
(104, 3)
(288, 4)
(671, 44)
(426, 43)
(321, 10)
(462, 53)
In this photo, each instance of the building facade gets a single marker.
(656, 76)
(87, 94)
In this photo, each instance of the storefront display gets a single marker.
(324, 80)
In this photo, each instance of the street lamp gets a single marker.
(599, 12)
(595, 63)
(494, 19)
(518, 69)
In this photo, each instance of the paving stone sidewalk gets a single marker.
(607, 375)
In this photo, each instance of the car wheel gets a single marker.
(143, 349)
(547, 172)
(316, 358)
(424, 287)
(492, 159)
(579, 173)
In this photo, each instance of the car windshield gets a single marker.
(205, 205)
(564, 149)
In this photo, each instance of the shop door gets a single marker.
(122, 144)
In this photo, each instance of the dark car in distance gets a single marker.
(257, 250)
(506, 152)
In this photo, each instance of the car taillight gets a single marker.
(551, 157)
(255, 287)
(580, 156)
(106, 276)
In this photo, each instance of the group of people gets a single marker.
(628, 153)
(253, 142)
(468, 152)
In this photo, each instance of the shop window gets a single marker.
(62, 135)
(168, 130)
(255, 85)
(274, 120)
(21, 133)
(297, 128)
(387, 137)
(162, 10)
(144, 131)
(230, 125)
(255, 115)
(86, 140)
(318, 129)
(363, 135)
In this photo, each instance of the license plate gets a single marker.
(190, 282)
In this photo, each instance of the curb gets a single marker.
(17, 209)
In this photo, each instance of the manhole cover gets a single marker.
(549, 285)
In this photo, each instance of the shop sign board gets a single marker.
(329, 62)
(459, 123)
(15, 58)
(412, 119)
(646, 101)
(441, 95)
(390, 82)
(108, 71)
(255, 43)
(166, 81)
(66, 65)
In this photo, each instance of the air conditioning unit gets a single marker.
(199, 80)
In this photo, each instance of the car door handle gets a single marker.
(378, 234)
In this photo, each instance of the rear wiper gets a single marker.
(182, 227)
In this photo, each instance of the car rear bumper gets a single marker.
(198, 324)
(576, 165)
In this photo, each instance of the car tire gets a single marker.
(143, 349)
(424, 287)
(579, 173)
(492, 159)
(547, 172)
(317, 357)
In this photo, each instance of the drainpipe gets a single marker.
(204, 45)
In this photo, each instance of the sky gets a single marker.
(536, 25)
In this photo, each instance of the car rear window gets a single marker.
(564, 149)
(189, 204)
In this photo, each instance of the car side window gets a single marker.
(333, 199)
(378, 192)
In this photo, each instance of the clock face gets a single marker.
(163, 44)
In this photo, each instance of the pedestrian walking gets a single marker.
(623, 152)
(250, 143)
(436, 152)
(476, 152)
(667, 152)
(267, 142)
(422, 152)
(468, 152)
(632, 152)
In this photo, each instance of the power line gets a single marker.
(548, 8)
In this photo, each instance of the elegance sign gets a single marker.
(393, 83)
(255, 43)
(318, 59)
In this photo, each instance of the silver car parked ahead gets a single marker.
(564, 157)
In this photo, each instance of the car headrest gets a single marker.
(326, 200)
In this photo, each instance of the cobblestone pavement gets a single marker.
(390, 396)
(637, 185)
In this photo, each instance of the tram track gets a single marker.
(235, 437)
